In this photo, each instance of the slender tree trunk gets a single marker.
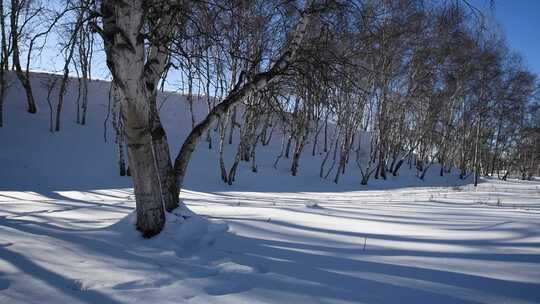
(78, 103)
(382, 165)
(50, 87)
(221, 148)
(336, 144)
(282, 151)
(120, 142)
(476, 147)
(326, 156)
(25, 82)
(69, 56)
(232, 172)
(297, 153)
(64, 83)
(85, 52)
(3, 62)
(496, 150)
(326, 133)
(233, 124)
(288, 147)
(208, 103)
(83, 82)
(190, 96)
(316, 137)
(397, 167)
(239, 92)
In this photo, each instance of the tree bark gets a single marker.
(126, 60)
(3, 62)
(25, 82)
(241, 90)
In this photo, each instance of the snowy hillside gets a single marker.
(81, 159)
(66, 225)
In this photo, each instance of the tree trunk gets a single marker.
(190, 96)
(476, 147)
(126, 61)
(299, 147)
(382, 166)
(3, 62)
(238, 93)
(397, 167)
(25, 82)
(326, 133)
(282, 151)
(148, 196)
(162, 155)
(233, 124)
(69, 56)
(120, 142)
(221, 147)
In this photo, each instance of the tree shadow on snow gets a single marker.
(326, 272)
(299, 262)
(57, 281)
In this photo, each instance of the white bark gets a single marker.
(241, 90)
(126, 59)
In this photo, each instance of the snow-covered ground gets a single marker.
(415, 245)
(67, 236)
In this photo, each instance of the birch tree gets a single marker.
(136, 66)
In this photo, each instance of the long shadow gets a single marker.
(55, 280)
(54, 198)
(327, 275)
(518, 234)
(298, 269)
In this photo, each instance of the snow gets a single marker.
(67, 236)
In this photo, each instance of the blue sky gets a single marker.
(520, 21)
